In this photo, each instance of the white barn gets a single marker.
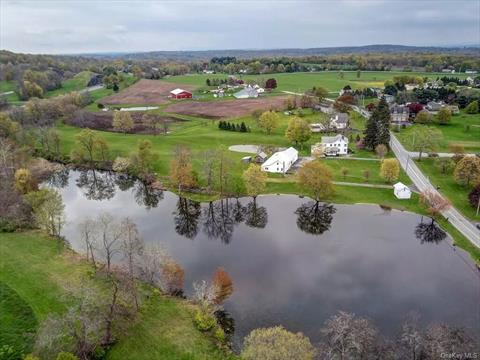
(335, 145)
(281, 161)
(401, 191)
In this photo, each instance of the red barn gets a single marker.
(180, 94)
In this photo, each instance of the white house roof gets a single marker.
(333, 139)
(340, 118)
(281, 156)
(248, 91)
(400, 186)
(177, 91)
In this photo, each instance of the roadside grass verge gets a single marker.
(457, 194)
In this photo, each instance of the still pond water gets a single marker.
(294, 262)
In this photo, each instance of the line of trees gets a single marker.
(224, 125)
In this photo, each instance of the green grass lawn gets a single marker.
(456, 193)
(356, 169)
(17, 321)
(7, 86)
(77, 83)
(200, 135)
(456, 132)
(299, 82)
(33, 270)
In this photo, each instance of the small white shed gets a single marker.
(401, 191)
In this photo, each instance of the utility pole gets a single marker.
(478, 205)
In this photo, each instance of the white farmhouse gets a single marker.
(401, 191)
(281, 161)
(335, 145)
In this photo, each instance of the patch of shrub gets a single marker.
(204, 321)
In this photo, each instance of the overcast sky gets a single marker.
(64, 26)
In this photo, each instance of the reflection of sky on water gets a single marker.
(368, 262)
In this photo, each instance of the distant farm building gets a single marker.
(281, 161)
(246, 93)
(180, 94)
(401, 191)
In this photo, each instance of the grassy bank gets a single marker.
(34, 269)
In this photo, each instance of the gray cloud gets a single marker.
(102, 26)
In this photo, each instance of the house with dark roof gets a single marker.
(399, 114)
(339, 121)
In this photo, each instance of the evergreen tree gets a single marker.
(243, 127)
(371, 129)
(383, 124)
(238, 128)
(220, 124)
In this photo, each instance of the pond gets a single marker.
(294, 262)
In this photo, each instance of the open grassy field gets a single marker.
(356, 170)
(200, 135)
(464, 130)
(299, 82)
(8, 86)
(456, 193)
(34, 268)
(77, 83)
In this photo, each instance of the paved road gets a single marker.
(462, 224)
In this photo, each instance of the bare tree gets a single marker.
(131, 246)
(434, 202)
(410, 340)
(89, 234)
(111, 234)
(150, 266)
(442, 339)
(346, 336)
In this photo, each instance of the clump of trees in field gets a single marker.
(224, 125)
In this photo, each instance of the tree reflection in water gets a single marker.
(97, 185)
(314, 218)
(124, 181)
(59, 178)
(146, 195)
(429, 232)
(186, 217)
(238, 212)
(255, 216)
(226, 322)
(218, 220)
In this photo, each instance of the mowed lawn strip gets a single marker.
(36, 268)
